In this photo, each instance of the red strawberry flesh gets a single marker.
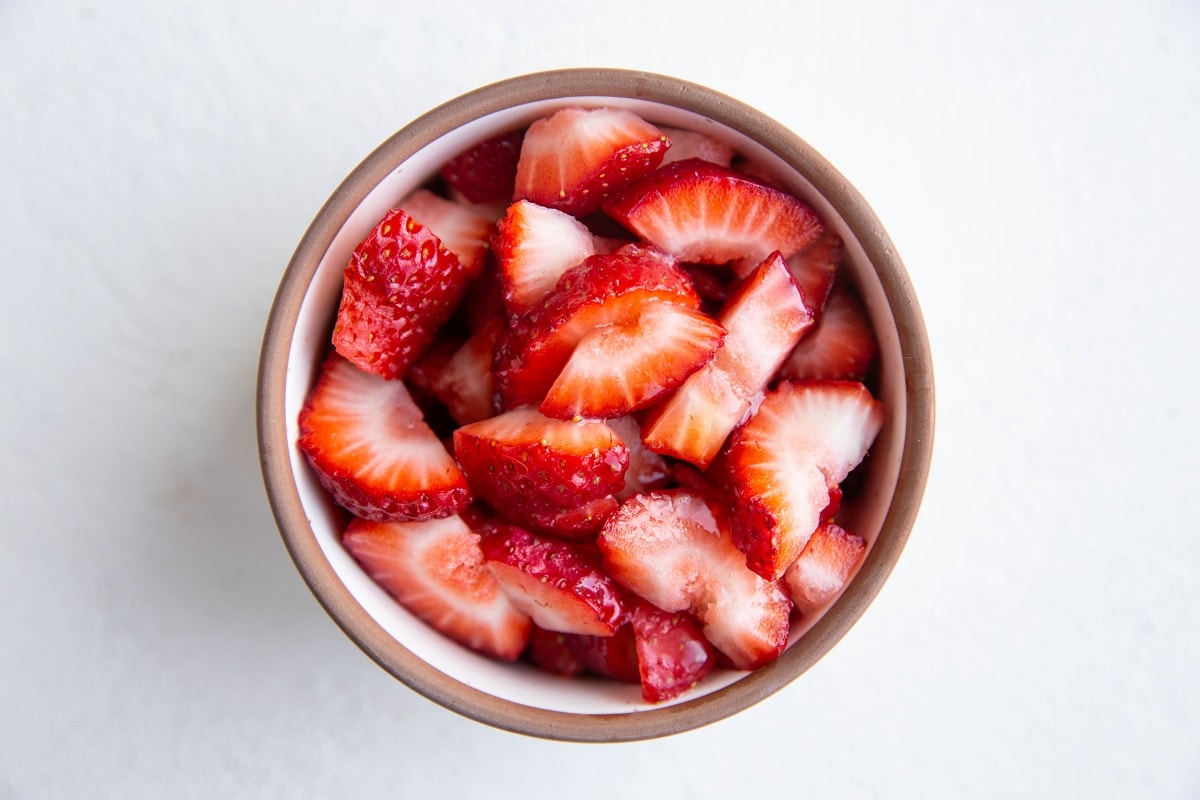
(672, 653)
(841, 346)
(824, 566)
(487, 171)
(534, 246)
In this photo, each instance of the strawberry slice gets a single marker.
(823, 567)
(464, 232)
(559, 585)
(576, 157)
(619, 368)
(672, 654)
(436, 570)
(703, 212)
(551, 652)
(613, 656)
(534, 469)
(603, 290)
(534, 246)
(764, 320)
(647, 469)
(841, 346)
(486, 172)
(815, 268)
(372, 450)
(693, 144)
(401, 285)
(804, 440)
(464, 381)
(672, 549)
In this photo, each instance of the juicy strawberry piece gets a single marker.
(578, 524)
(560, 585)
(464, 232)
(484, 298)
(693, 144)
(522, 462)
(436, 570)
(829, 513)
(401, 285)
(824, 567)
(576, 157)
(619, 368)
(371, 449)
(672, 654)
(426, 369)
(764, 320)
(487, 171)
(647, 470)
(613, 656)
(673, 550)
(603, 290)
(841, 346)
(534, 246)
(464, 382)
(550, 651)
(815, 268)
(805, 438)
(702, 212)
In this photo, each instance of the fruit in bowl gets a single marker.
(577, 376)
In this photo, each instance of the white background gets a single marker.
(1038, 166)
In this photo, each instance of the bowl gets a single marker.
(516, 697)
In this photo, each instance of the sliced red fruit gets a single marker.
(463, 231)
(576, 157)
(436, 570)
(613, 656)
(693, 144)
(372, 450)
(804, 440)
(486, 172)
(672, 653)
(815, 268)
(829, 513)
(841, 346)
(559, 585)
(603, 290)
(550, 651)
(401, 285)
(623, 367)
(764, 320)
(823, 567)
(576, 524)
(464, 382)
(647, 470)
(674, 549)
(712, 284)
(703, 212)
(534, 246)
(522, 462)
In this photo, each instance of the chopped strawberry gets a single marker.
(534, 246)
(576, 157)
(702, 212)
(823, 567)
(624, 367)
(577, 524)
(647, 470)
(613, 656)
(522, 462)
(484, 297)
(805, 438)
(603, 290)
(829, 513)
(464, 232)
(551, 651)
(487, 171)
(815, 268)
(401, 285)
(841, 346)
(672, 549)
(464, 382)
(436, 570)
(764, 320)
(672, 654)
(560, 585)
(371, 449)
(693, 144)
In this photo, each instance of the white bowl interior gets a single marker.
(521, 683)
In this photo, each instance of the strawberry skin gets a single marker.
(576, 157)
(559, 585)
(534, 246)
(803, 441)
(693, 144)
(401, 285)
(672, 653)
(619, 368)
(436, 570)
(463, 231)
(647, 469)
(824, 566)
(841, 346)
(372, 450)
(702, 212)
(486, 172)
(613, 656)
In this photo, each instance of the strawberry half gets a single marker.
(764, 319)
(619, 368)
(815, 268)
(672, 549)
(576, 157)
(603, 290)
(436, 570)
(824, 566)
(672, 653)
(559, 585)
(703, 212)
(613, 656)
(693, 144)
(463, 231)
(372, 450)
(464, 381)
(401, 285)
(534, 246)
(804, 440)
(841, 346)
(533, 469)
(551, 652)
(486, 172)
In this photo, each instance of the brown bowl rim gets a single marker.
(301, 542)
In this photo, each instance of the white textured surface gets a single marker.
(1038, 169)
